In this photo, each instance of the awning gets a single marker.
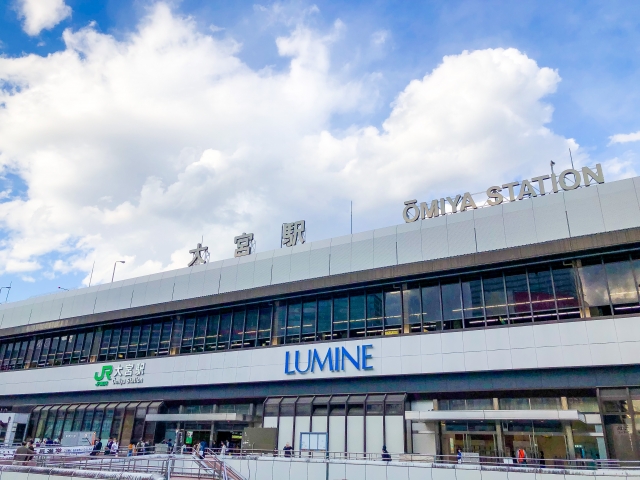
(506, 415)
(198, 417)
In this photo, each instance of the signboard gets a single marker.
(313, 441)
(120, 374)
(569, 179)
(334, 359)
(8, 452)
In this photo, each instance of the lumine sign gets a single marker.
(569, 179)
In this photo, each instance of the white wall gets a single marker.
(265, 468)
(516, 347)
(336, 434)
(594, 209)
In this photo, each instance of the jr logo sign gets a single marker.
(107, 370)
(122, 374)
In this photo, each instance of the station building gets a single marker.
(490, 329)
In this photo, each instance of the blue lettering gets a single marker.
(366, 356)
(356, 363)
(286, 364)
(337, 359)
(297, 362)
(321, 363)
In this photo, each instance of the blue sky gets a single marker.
(375, 49)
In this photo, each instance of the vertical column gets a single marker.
(437, 431)
(499, 437)
(568, 432)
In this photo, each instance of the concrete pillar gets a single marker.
(499, 437)
(568, 432)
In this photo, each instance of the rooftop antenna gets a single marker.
(351, 217)
(91, 277)
(552, 163)
(571, 157)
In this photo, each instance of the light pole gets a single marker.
(114, 268)
(65, 289)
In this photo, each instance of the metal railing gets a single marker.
(188, 464)
(445, 460)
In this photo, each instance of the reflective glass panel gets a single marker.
(392, 308)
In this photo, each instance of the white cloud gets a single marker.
(41, 15)
(134, 149)
(380, 37)
(624, 138)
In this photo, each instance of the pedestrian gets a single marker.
(223, 449)
(203, 447)
(114, 448)
(97, 448)
(140, 447)
(288, 450)
(386, 456)
(131, 450)
(459, 455)
(107, 448)
(24, 453)
(522, 456)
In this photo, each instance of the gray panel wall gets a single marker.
(588, 210)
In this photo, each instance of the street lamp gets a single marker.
(114, 268)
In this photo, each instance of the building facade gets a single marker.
(492, 329)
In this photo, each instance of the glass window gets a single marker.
(431, 308)
(29, 355)
(134, 341)
(392, 311)
(542, 298)
(324, 315)
(237, 328)
(412, 308)
(518, 298)
(565, 284)
(176, 336)
(514, 404)
(264, 326)
(472, 301)
(52, 351)
(583, 404)
(115, 343)
(495, 300)
(279, 322)
(77, 349)
(374, 313)
(356, 314)
(622, 286)
(36, 353)
(451, 306)
(294, 320)
(251, 327)
(545, 403)
(225, 331)
(309, 320)
(125, 337)
(42, 361)
(594, 288)
(340, 316)
(154, 340)
(188, 333)
(212, 333)
(165, 338)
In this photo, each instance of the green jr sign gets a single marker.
(119, 374)
(107, 370)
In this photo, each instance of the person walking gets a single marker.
(140, 448)
(522, 456)
(131, 450)
(114, 448)
(459, 455)
(24, 453)
(386, 456)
